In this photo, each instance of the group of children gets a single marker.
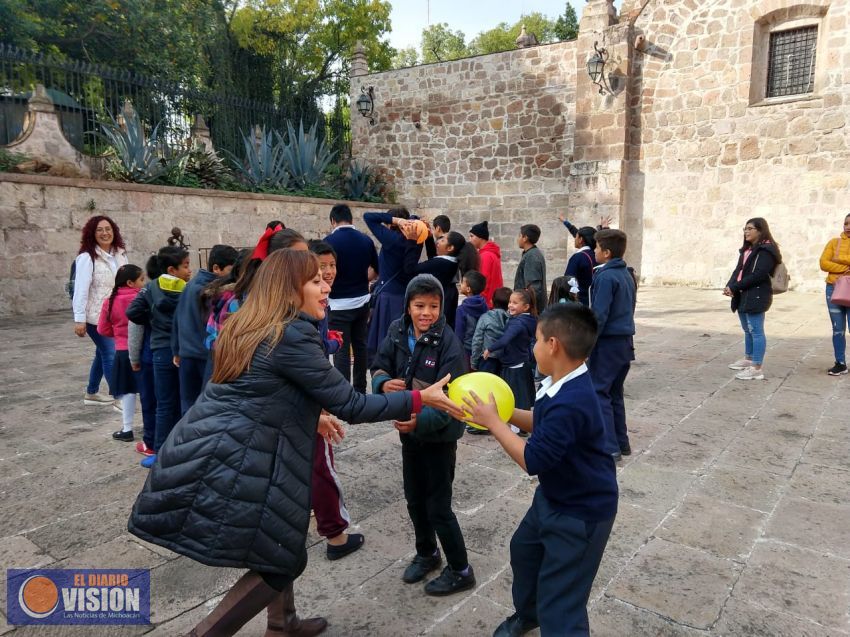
(165, 329)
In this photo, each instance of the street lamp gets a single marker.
(366, 103)
(596, 68)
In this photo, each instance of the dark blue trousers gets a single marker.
(191, 374)
(609, 364)
(166, 383)
(554, 558)
(147, 397)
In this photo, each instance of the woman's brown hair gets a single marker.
(275, 298)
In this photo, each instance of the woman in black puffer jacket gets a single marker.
(231, 484)
(752, 294)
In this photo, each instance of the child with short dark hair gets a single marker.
(420, 349)
(155, 305)
(490, 327)
(580, 266)
(473, 307)
(557, 548)
(531, 271)
(141, 362)
(190, 325)
(612, 299)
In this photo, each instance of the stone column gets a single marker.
(199, 135)
(359, 125)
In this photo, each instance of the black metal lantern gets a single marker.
(366, 103)
(596, 68)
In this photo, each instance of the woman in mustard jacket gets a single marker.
(835, 261)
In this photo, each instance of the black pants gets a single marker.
(191, 374)
(354, 325)
(429, 470)
(609, 364)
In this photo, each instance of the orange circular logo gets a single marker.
(38, 596)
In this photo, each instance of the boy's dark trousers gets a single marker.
(554, 558)
(191, 374)
(354, 325)
(429, 470)
(147, 398)
(166, 383)
(609, 365)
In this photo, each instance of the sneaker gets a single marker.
(420, 567)
(627, 450)
(147, 463)
(477, 431)
(117, 406)
(143, 449)
(514, 626)
(751, 373)
(744, 363)
(450, 582)
(839, 369)
(97, 399)
(124, 436)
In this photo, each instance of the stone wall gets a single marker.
(708, 152)
(41, 219)
(488, 137)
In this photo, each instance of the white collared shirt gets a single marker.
(550, 390)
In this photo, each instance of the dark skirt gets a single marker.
(123, 376)
(388, 307)
(521, 380)
(491, 365)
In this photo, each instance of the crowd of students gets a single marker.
(240, 356)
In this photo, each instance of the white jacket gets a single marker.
(94, 283)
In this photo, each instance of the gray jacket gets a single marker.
(490, 327)
(531, 272)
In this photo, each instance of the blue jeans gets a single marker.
(147, 396)
(840, 317)
(101, 365)
(191, 372)
(166, 385)
(755, 342)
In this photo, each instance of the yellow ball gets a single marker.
(484, 384)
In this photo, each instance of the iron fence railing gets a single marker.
(88, 94)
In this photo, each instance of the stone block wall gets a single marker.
(41, 219)
(488, 137)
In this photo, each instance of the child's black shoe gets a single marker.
(420, 567)
(514, 626)
(451, 581)
(124, 436)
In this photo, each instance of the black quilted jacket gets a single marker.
(231, 484)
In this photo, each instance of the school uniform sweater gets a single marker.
(567, 449)
(580, 266)
(612, 299)
(355, 253)
(514, 346)
(190, 328)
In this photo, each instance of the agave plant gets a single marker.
(264, 165)
(207, 168)
(137, 157)
(360, 182)
(307, 158)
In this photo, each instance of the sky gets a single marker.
(409, 17)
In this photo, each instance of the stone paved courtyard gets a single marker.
(734, 508)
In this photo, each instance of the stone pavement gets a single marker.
(734, 508)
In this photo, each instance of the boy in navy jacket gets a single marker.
(473, 307)
(580, 266)
(558, 546)
(190, 326)
(612, 299)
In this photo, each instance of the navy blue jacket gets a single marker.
(468, 313)
(566, 451)
(155, 306)
(355, 252)
(612, 299)
(514, 346)
(398, 257)
(581, 266)
(190, 327)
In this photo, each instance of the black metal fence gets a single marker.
(88, 94)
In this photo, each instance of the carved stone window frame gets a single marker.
(785, 19)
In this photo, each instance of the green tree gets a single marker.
(440, 43)
(566, 26)
(503, 36)
(403, 58)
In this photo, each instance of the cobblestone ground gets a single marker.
(734, 508)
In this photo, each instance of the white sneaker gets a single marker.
(744, 363)
(751, 373)
(97, 399)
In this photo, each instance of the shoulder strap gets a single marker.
(589, 259)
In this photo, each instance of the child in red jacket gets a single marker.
(113, 322)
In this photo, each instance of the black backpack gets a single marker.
(69, 286)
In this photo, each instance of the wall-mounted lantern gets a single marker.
(366, 103)
(596, 68)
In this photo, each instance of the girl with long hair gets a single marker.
(231, 484)
(752, 295)
(835, 261)
(451, 251)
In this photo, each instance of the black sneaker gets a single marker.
(420, 567)
(124, 436)
(627, 450)
(514, 626)
(839, 369)
(450, 582)
(617, 455)
(477, 431)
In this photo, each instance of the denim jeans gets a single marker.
(839, 315)
(166, 385)
(101, 365)
(755, 342)
(147, 396)
(191, 372)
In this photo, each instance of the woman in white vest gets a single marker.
(101, 254)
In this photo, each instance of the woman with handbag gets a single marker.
(752, 294)
(835, 261)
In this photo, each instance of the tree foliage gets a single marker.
(440, 43)
(566, 26)
(503, 36)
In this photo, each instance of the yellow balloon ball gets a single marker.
(484, 384)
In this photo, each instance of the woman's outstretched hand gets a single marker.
(433, 396)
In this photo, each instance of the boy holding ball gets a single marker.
(558, 546)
